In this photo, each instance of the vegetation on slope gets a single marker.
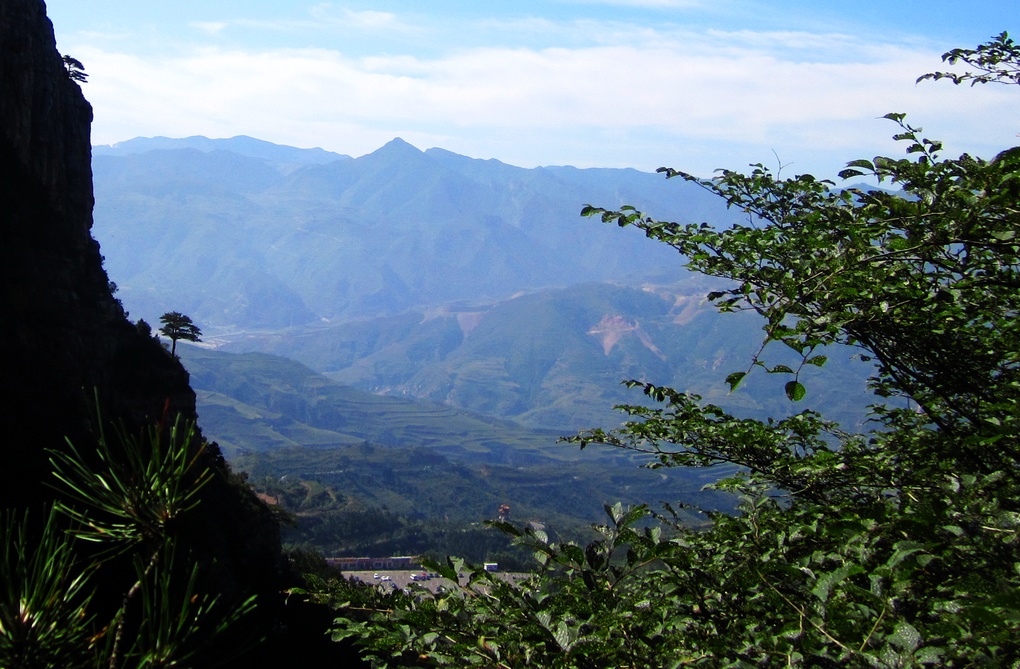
(410, 492)
(329, 454)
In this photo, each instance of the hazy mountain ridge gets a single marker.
(281, 155)
(234, 242)
(434, 291)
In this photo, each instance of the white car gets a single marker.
(385, 578)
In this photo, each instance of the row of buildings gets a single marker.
(372, 563)
(399, 562)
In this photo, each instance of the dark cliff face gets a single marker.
(64, 338)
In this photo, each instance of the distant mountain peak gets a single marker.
(395, 155)
(397, 147)
(398, 141)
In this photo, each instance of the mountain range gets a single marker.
(557, 358)
(242, 234)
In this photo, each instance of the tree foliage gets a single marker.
(895, 548)
(995, 61)
(178, 326)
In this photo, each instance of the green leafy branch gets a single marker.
(996, 62)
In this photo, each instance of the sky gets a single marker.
(798, 85)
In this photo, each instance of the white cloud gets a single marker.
(341, 23)
(643, 103)
(360, 19)
(210, 27)
(372, 19)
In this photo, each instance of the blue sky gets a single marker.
(693, 84)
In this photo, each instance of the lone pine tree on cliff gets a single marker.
(75, 70)
(178, 326)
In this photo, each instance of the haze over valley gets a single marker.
(430, 277)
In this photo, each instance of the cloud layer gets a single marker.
(583, 93)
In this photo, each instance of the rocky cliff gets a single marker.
(64, 336)
(65, 340)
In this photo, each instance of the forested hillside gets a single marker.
(273, 417)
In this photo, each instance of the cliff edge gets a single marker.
(65, 340)
(64, 336)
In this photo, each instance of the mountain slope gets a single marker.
(244, 244)
(293, 405)
(276, 418)
(283, 157)
(556, 358)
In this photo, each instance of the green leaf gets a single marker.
(930, 655)
(795, 390)
(826, 582)
(905, 637)
(564, 636)
(861, 163)
(734, 379)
